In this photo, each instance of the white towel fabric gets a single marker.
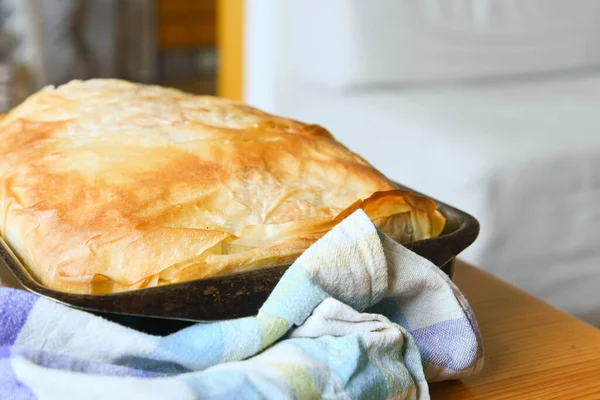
(356, 316)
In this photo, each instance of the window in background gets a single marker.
(50, 42)
(187, 44)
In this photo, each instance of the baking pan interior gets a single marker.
(224, 297)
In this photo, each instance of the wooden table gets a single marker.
(532, 350)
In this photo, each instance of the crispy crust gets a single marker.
(107, 185)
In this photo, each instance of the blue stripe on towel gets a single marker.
(14, 309)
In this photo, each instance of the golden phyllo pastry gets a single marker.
(107, 186)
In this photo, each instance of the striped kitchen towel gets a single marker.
(356, 316)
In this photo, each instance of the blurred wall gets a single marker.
(348, 44)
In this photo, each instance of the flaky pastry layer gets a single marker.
(107, 186)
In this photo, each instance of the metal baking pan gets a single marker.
(225, 297)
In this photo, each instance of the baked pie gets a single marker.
(107, 186)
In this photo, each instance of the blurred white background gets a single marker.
(488, 105)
